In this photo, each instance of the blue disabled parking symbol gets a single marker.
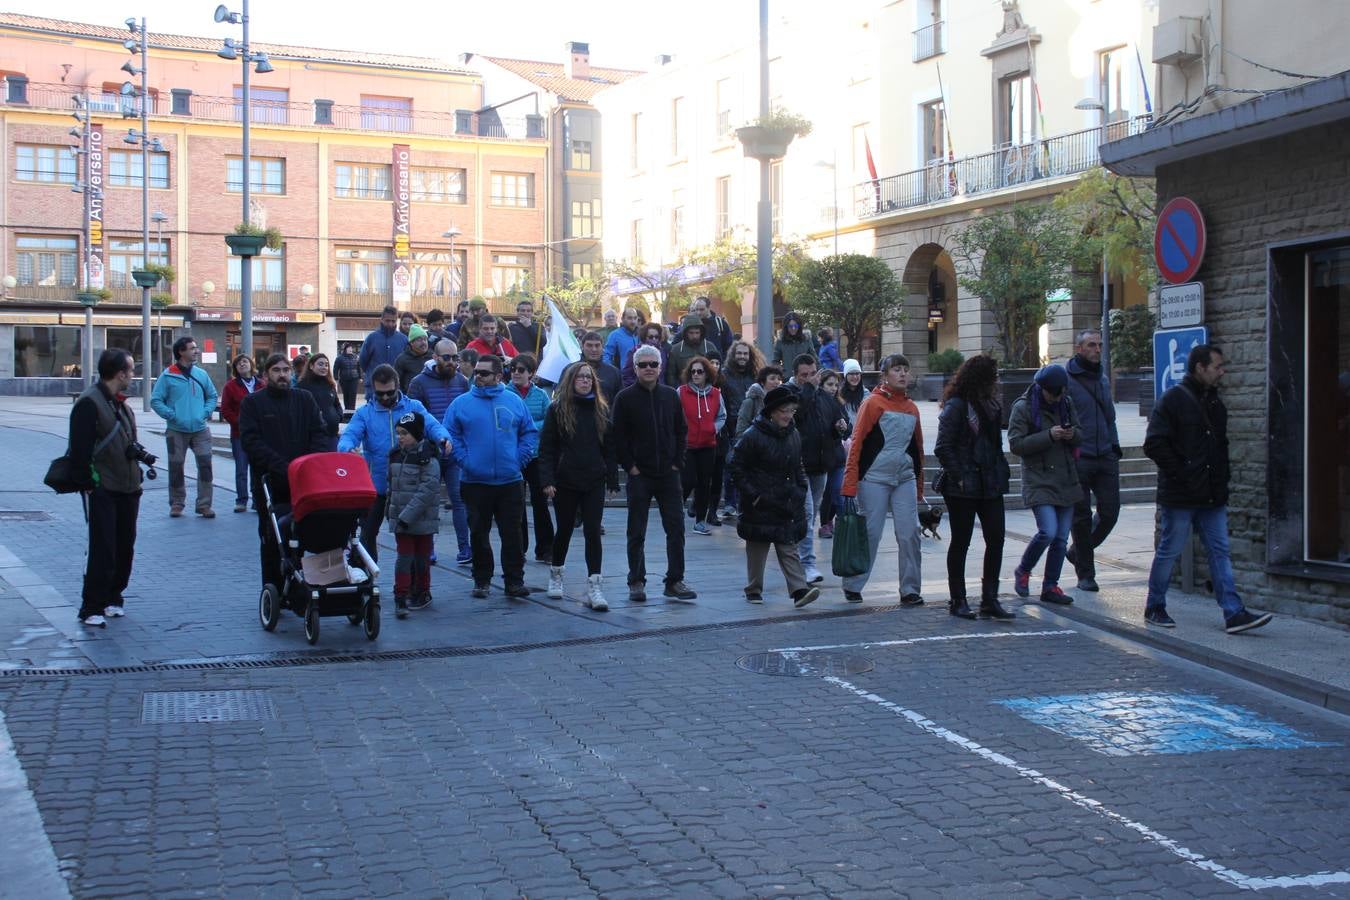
(1123, 723)
(1171, 346)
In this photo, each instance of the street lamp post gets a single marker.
(764, 235)
(84, 185)
(159, 218)
(241, 51)
(450, 234)
(142, 138)
(1092, 103)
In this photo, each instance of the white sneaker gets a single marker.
(595, 597)
(555, 582)
(113, 612)
(94, 621)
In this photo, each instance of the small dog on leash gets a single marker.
(929, 520)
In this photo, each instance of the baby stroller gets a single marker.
(325, 570)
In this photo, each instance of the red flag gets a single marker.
(872, 171)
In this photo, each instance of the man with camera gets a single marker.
(184, 398)
(105, 462)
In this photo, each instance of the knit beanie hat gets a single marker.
(412, 423)
(780, 396)
(1053, 377)
(851, 365)
(415, 332)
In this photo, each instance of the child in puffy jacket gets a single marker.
(414, 512)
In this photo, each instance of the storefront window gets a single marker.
(129, 339)
(43, 352)
(1327, 471)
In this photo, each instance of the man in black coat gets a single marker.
(649, 441)
(277, 425)
(823, 426)
(609, 379)
(1188, 438)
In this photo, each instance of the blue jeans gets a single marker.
(834, 482)
(458, 514)
(240, 472)
(1177, 522)
(815, 493)
(1052, 530)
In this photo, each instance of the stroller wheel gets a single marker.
(312, 623)
(372, 619)
(269, 607)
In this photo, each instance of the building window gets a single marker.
(266, 176)
(1112, 81)
(129, 339)
(436, 274)
(928, 39)
(677, 128)
(47, 261)
(124, 169)
(722, 202)
(268, 272)
(635, 243)
(49, 165)
(386, 113)
(16, 88)
(363, 181)
(127, 256)
(677, 222)
(636, 134)
(585, 218)
(363, 270)
(1327, 359)
(512, 272)
(776, 195)
(268, 106)
(43, 352)
(438, 185)
(512, 189)
(582, 270)
(725, 99)
(581, 156)
(1016, 106)
(934, 132)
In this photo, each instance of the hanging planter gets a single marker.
(249, 240)
(768, 136)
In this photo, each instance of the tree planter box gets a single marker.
(764, 143)
(1013, 383)
(246, 244)
(934, 383)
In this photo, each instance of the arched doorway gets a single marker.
(930, 285)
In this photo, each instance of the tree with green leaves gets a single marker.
(660, 289)
(580, 299)
(858, 293)
(1011, 259)
(1117, 215)
(731, 263)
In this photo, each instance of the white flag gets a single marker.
(562, 348)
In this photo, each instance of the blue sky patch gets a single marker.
(1126, 723)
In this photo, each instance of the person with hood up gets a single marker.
(371, 432)
(1043, 430)
(436, 388)
(704, 416)
(794, 340)
(885, 472)
(382, 347)
(716, 329)
(692, 343)
(768, 378)
(767, 468)
(414, 511)
(242, 383)
(415, 358)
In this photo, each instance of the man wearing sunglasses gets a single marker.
(650, 434)
(371, 432)
(494, 437)
(436, 388)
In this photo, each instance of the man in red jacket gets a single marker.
(489, 344)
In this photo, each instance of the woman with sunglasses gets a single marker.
(649, 335)
(536, 401)
(705, 415)
(576, 464)
(1043, 431)
(318, 381)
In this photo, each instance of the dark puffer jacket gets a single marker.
(822, 443)
(1188, 438)
(414, 489)
(971, 457)
(577, 462)
(766, 465)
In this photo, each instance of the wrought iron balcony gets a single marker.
(930, 41)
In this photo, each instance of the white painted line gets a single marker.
(1232, 876)
(987, 635)
(28, 866)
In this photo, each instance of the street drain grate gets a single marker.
(24, 515)
(804, 664)
(170, 707)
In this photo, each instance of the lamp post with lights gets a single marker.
(84, 184)
(143, 278)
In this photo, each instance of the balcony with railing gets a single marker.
(41, 293)
(313, 115)
(261, 298)
(361, 301)
(930, 41)
(1006, 167)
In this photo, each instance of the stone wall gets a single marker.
(1288, 189)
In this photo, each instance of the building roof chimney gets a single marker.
(663, 59)
(578, 60)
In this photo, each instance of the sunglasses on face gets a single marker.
(483, 373)
(697, 372)
(520, 369)
(450, 357)
(379, 393)
(647, 365)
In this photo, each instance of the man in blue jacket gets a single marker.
(1099, 456)
(436, 388)
(382, 346)
(371, 432)
(494, 437)
(184, 398)
(622, 340)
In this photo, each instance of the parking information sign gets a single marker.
(1170, 349)
(1181, 305)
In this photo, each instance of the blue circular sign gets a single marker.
(1179, 240)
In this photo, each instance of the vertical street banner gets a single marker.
(402, 276)
(93, 260)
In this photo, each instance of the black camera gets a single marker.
(138, 453)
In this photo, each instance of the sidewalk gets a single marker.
(193, 594)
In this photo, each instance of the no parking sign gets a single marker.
(1179, 240)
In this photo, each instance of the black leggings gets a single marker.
(963, 511)
(696, 478)
(591, 503)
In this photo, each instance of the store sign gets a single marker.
(1181, 305)
(93, 273)
(402, 275)
(267, 317)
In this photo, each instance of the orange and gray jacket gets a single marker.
(887, 442)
